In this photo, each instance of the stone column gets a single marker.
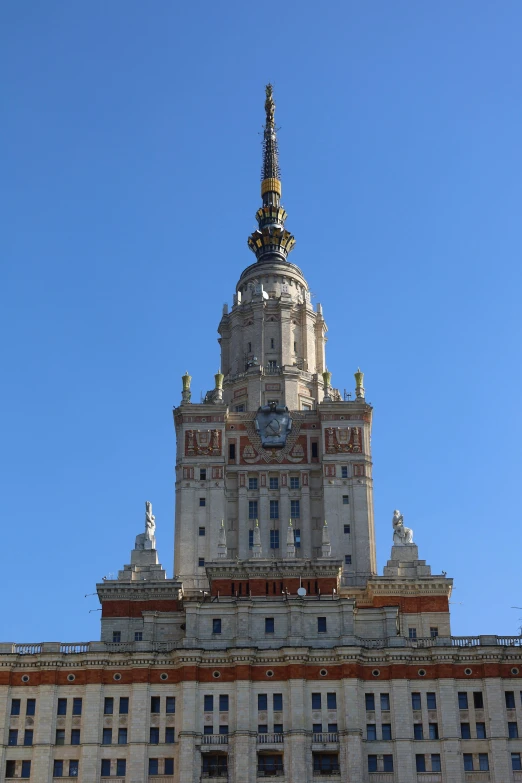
(44, 733)
(499, 757)
(284, 515)
(297, 747)
(189, 760)
(138, 729)
(92, 722)
(351, 757)
(404, 751)
(243, 522)
(306, 520)
(449, 730)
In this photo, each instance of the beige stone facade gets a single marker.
(276, 653)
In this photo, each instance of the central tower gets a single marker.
(273, 469)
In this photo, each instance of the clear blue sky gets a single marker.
(130, 179)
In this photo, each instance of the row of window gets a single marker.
(434, 632)
(269, 625)
(431, 701)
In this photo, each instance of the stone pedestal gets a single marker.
(405, 562)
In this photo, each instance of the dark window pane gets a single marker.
(108, 706)
(321, 625)
(463, 700)
(418, 732)
(262, 702)
(483, 762)
(77, 706)
(171, 705)
(385, 701)
(122, 736)
(386, 731)
(153, 766)
(510, 700)
(317, 728)
(154, 735)
(481, 731)
(465, 732)
(75, 737)
(121, 767)
(124, 705)
(155, 704)
(316, 701)
(74, 766)
(169, 767)
(435, 762)
(516, 762)
(223, 702)
(512, 730)
(371, 732)
(431, 700)
(28, 737)
(434, 731)
(331, 701)
(372, 763)
(420, 762)
(169, 735)
(262, 728)
(60, 737)
(26, 769)
(370, 701)
(107, 737)
(30, 707)
(278, 702)
(387, 760)
(216, 625)
(468, 762)
(208, 703)
(58, 769)
(416, 701)
(13, 737)
(269, 625)
(478, 700)
(62, 707)
(105, 767)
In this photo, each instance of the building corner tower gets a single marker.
(274, 459)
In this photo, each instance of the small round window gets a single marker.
(117, 677)
(323, 672)
(468, 672)
(270, 673)
(71, 677)
(514, 670)
(376, 672)
(25, 678)
(164, 676)
(422, 672)
(217, 675)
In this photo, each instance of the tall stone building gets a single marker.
(276, 652)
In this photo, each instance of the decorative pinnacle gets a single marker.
(270, 173)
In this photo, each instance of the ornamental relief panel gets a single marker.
(294, 450)
(343, 440)
(203, 442)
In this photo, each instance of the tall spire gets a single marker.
(271, 242)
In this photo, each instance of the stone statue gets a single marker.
(147, 540)
(269, 105)
(401, 535)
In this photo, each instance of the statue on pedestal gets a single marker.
(147, 540)
(401, 535)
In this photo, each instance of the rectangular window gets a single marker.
(516, 763)
(202, 502)
(105, 768)
(116, 637)
(75, 736)
(169, 766)
(60, 737)
(510, 700)
(240, 408)
(108, 707)
(138, 636)
(347, 559)
(124, 705)
(262, 728)
(274, 509)
(30, 708)
(107, 737)
(344, 471)
(273, 482)
(201, 531)
(252, 509)
(216, 625)
(346, 500)
(295, 509)
(262, 702)
(347, 530)
(208, 703)
(208, 730)
(277, 702)
(435, 762)
(317, 728)
(171, 705)
(478, 700)
(62, 707)
(370, 701)
(274, 539)
(278, 728)
(481, 730)
(463, 700)
(153, 766)
(415, 701)
(420, 762)
(202, 474)
(483, 762)
(412, 633)
(468, 762)
(433, 730)
(372, 763)
(269, 625)
(385, 702)
(321, 625)
(231, 451)
(434, 632)
(294, 482)
(223, 729)
(465, 731)
(431, 700)
(418, 731)
(201, 562)
(13, 737)
(252, 483)
(169, 735)
(332, 728)
(154, 735)
(297, 537)
(74, 766)
(155, 704)
(331, 701)
(315, 450)
(28, 737)
(58, 769)
(386, 731)
(26, 769)
(512, 730)
(122, 736)
(121, 767)
(77, 707)
(316, 701)
(387, 762)
(10, 769)
(223, 702)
